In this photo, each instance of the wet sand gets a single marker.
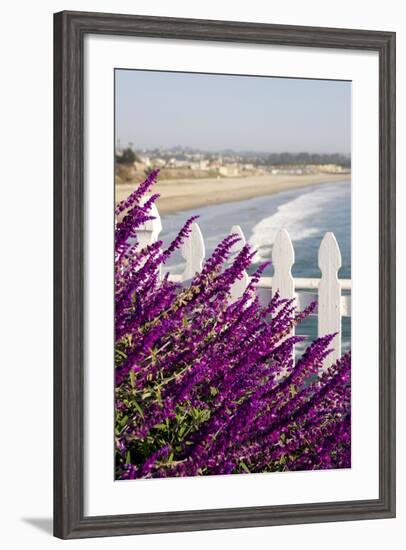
(178, 195)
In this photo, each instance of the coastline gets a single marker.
(187, 194)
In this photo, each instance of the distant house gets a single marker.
(177, 163)
(159, 162)
(293, 170)
(229, 170)
(145, 160)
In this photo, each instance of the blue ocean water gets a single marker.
(307, 214)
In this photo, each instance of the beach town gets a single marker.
(193, 179)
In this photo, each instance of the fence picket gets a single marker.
(239, 286)
(193, 251)
(329, 303)
(283, 258)
(149, 231)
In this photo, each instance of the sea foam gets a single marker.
(298, 216)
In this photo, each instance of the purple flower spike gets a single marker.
(205, 385)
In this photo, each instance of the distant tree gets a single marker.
(128, 157)
(308, 158)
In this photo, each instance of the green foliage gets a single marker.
(128, 157)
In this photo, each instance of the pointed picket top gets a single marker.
(156, 223)
(329, 254)
(283, 258)
(236, 229)
(149, 231)
(193, 251)
(239, 286)
(329, 299)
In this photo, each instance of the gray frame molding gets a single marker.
(69, 31)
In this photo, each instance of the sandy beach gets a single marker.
(178, 195)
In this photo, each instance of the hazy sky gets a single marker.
(232, 112)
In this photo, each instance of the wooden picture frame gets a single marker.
(70, 29)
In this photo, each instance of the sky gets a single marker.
(244, 113)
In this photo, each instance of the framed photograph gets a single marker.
(224, 274)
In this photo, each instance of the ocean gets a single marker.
(306, 213)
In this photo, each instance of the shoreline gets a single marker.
(188, 194)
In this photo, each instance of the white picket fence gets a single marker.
(332, 304)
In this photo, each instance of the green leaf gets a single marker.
(182, 430)
(119, 352)
(244, 467)
(138, 408)
(292, 390)
(132, 378)
(158, 395)
(123, 421)
(160, 426)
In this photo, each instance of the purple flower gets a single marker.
(204, 386)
